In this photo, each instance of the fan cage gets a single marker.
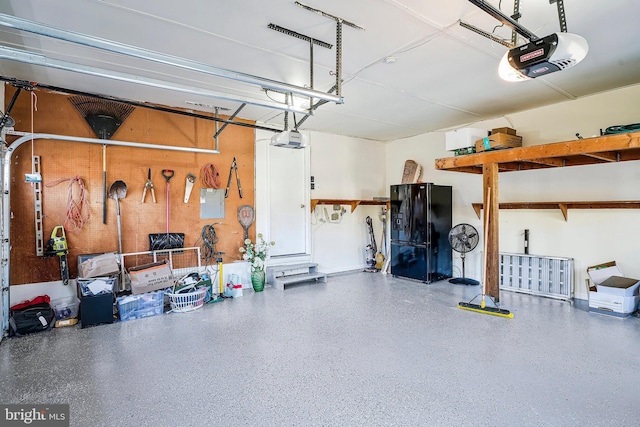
(468, 242)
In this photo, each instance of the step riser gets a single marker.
(281, 283)
(279, 271)
(280, 276)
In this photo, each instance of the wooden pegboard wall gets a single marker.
(61, 159)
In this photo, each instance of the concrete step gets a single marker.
(274, 271)
(281, 282)
(283, 269)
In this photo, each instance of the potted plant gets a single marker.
(256, 254)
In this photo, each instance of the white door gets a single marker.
(289, 213)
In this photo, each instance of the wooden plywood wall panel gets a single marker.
(62, 159)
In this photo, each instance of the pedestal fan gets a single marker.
(463, 238)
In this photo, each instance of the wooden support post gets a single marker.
(492, 257)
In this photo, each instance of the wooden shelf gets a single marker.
(354, 203)
(589, 151)
(564, 206)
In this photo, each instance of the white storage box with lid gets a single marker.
(621, 286)
(611, 304)
(613, 294)
(463, 138)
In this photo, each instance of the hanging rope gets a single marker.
(78, 209)
(210, 176)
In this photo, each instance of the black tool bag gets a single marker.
(34, 318)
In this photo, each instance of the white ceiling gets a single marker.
(444, 76)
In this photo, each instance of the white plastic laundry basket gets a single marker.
(188, 301)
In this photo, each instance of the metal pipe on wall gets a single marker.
(25, 136)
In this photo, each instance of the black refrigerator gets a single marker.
(421, 216)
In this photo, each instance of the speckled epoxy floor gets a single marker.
(361, 349)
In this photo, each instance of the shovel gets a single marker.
(167, 240)
(117, 191)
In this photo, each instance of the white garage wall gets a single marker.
(345, 168)
(352, 168)
(589, 236)
(424, 149)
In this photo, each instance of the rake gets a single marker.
(104, 117)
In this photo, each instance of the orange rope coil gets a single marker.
(78, 210)
(210, 176)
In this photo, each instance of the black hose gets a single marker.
(207, 240)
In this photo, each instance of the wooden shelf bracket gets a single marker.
(354, 203)
(563, 206)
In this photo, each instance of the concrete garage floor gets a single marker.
(362, 349)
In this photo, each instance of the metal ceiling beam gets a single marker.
(561, 15)
(311, 42)
(42, 60)
(162, 58)
(298, 35)
(486, 34)
(339, 23)
(328, 15)
(231, 117)
(516, 15)
(506, 20)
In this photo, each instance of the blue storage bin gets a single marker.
(142, 305)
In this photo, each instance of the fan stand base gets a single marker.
(463, 281)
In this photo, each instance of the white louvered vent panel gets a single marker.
(538, 275)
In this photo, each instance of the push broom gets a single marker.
(483, 308)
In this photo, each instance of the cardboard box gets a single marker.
(66, 322)
(612, 293)
(94, 265)
(498, 141)
(150, 277)
(463, 138)
(508, 131)
(601, 272)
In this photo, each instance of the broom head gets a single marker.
(494, 311)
